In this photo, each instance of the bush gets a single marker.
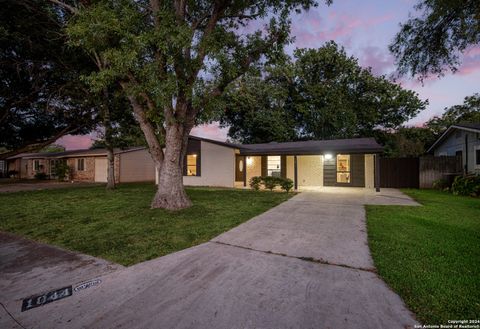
(466, 185)
(270, 182)
(286, 184)
(41, 175)
(441, 184)
(255, 182)
(62, 171)
(12, 173)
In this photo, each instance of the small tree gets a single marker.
(270, 182)
(62, 170)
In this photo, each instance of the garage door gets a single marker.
(101, 170)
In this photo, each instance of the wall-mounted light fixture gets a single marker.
(194, 155)
(249, 161)
(328, 156)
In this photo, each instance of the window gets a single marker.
(36, 165)
(274, 166)
(191, 165)
(80, 164)
(477, 157)
(343, 168)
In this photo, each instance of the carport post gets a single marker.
(245, 171)
(295, 172)
(376, 168)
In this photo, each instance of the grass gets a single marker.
(430, 255)
(120, 226)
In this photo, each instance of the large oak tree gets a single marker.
(320, 94)
(174, 60)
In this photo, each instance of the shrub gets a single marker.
(466, 185)
(41, 175)
(255, 182)
(270, 182)
(62, 171)
(286, 184)
(12, 173)
(441, 184)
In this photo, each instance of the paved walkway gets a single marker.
(303, 264)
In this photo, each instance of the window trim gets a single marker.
(279, 165)
(196, 164)
(477, 159)
(83, 162)
(349, 171)
(35, 166)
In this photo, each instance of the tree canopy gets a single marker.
(432, 41)
(319, 94)
(468, 112)
(41, 96)
(174, 59)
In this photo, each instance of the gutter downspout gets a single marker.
(466, 154)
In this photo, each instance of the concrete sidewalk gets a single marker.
(303, 264)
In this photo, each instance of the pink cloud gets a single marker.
(470, 61)
(309, 31)
(380, 61)
(212, 131)
(71, 142)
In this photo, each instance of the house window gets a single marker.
(477, 157)
(192, 165)
(343, 168)
(36, 165)
(274, 164)
(81, 164)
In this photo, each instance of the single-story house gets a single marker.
(460, 140)
(341, 162)
(131, 165)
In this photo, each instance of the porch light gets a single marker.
(249, 161)
(328, 156)
(194, 155)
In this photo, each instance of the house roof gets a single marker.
(353, 145)
(472, 127)
(73, 153)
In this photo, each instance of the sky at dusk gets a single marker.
(365, 29)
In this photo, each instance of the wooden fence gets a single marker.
(433, 168)
(399, 172)
(418, 172)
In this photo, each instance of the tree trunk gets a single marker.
(111, 169)
(171, 193)
(107, 124)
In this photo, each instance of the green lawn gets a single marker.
(120, 226)
(430, 255)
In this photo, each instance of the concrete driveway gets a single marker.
(303, 264)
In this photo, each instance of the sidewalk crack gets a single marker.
(307, 259)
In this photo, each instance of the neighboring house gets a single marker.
(343, 162)
(87, 165)
(460, 140)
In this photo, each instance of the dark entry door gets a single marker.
(239, 168)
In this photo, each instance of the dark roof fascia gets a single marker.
(309, 152)
(447, 132)
(212, 141)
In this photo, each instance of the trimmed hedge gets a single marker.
(270, 183)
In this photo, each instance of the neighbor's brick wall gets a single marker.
(30, 172)
(87, 175)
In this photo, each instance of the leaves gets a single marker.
(322, 94)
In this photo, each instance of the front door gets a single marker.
(101, 166)
(239, 168)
